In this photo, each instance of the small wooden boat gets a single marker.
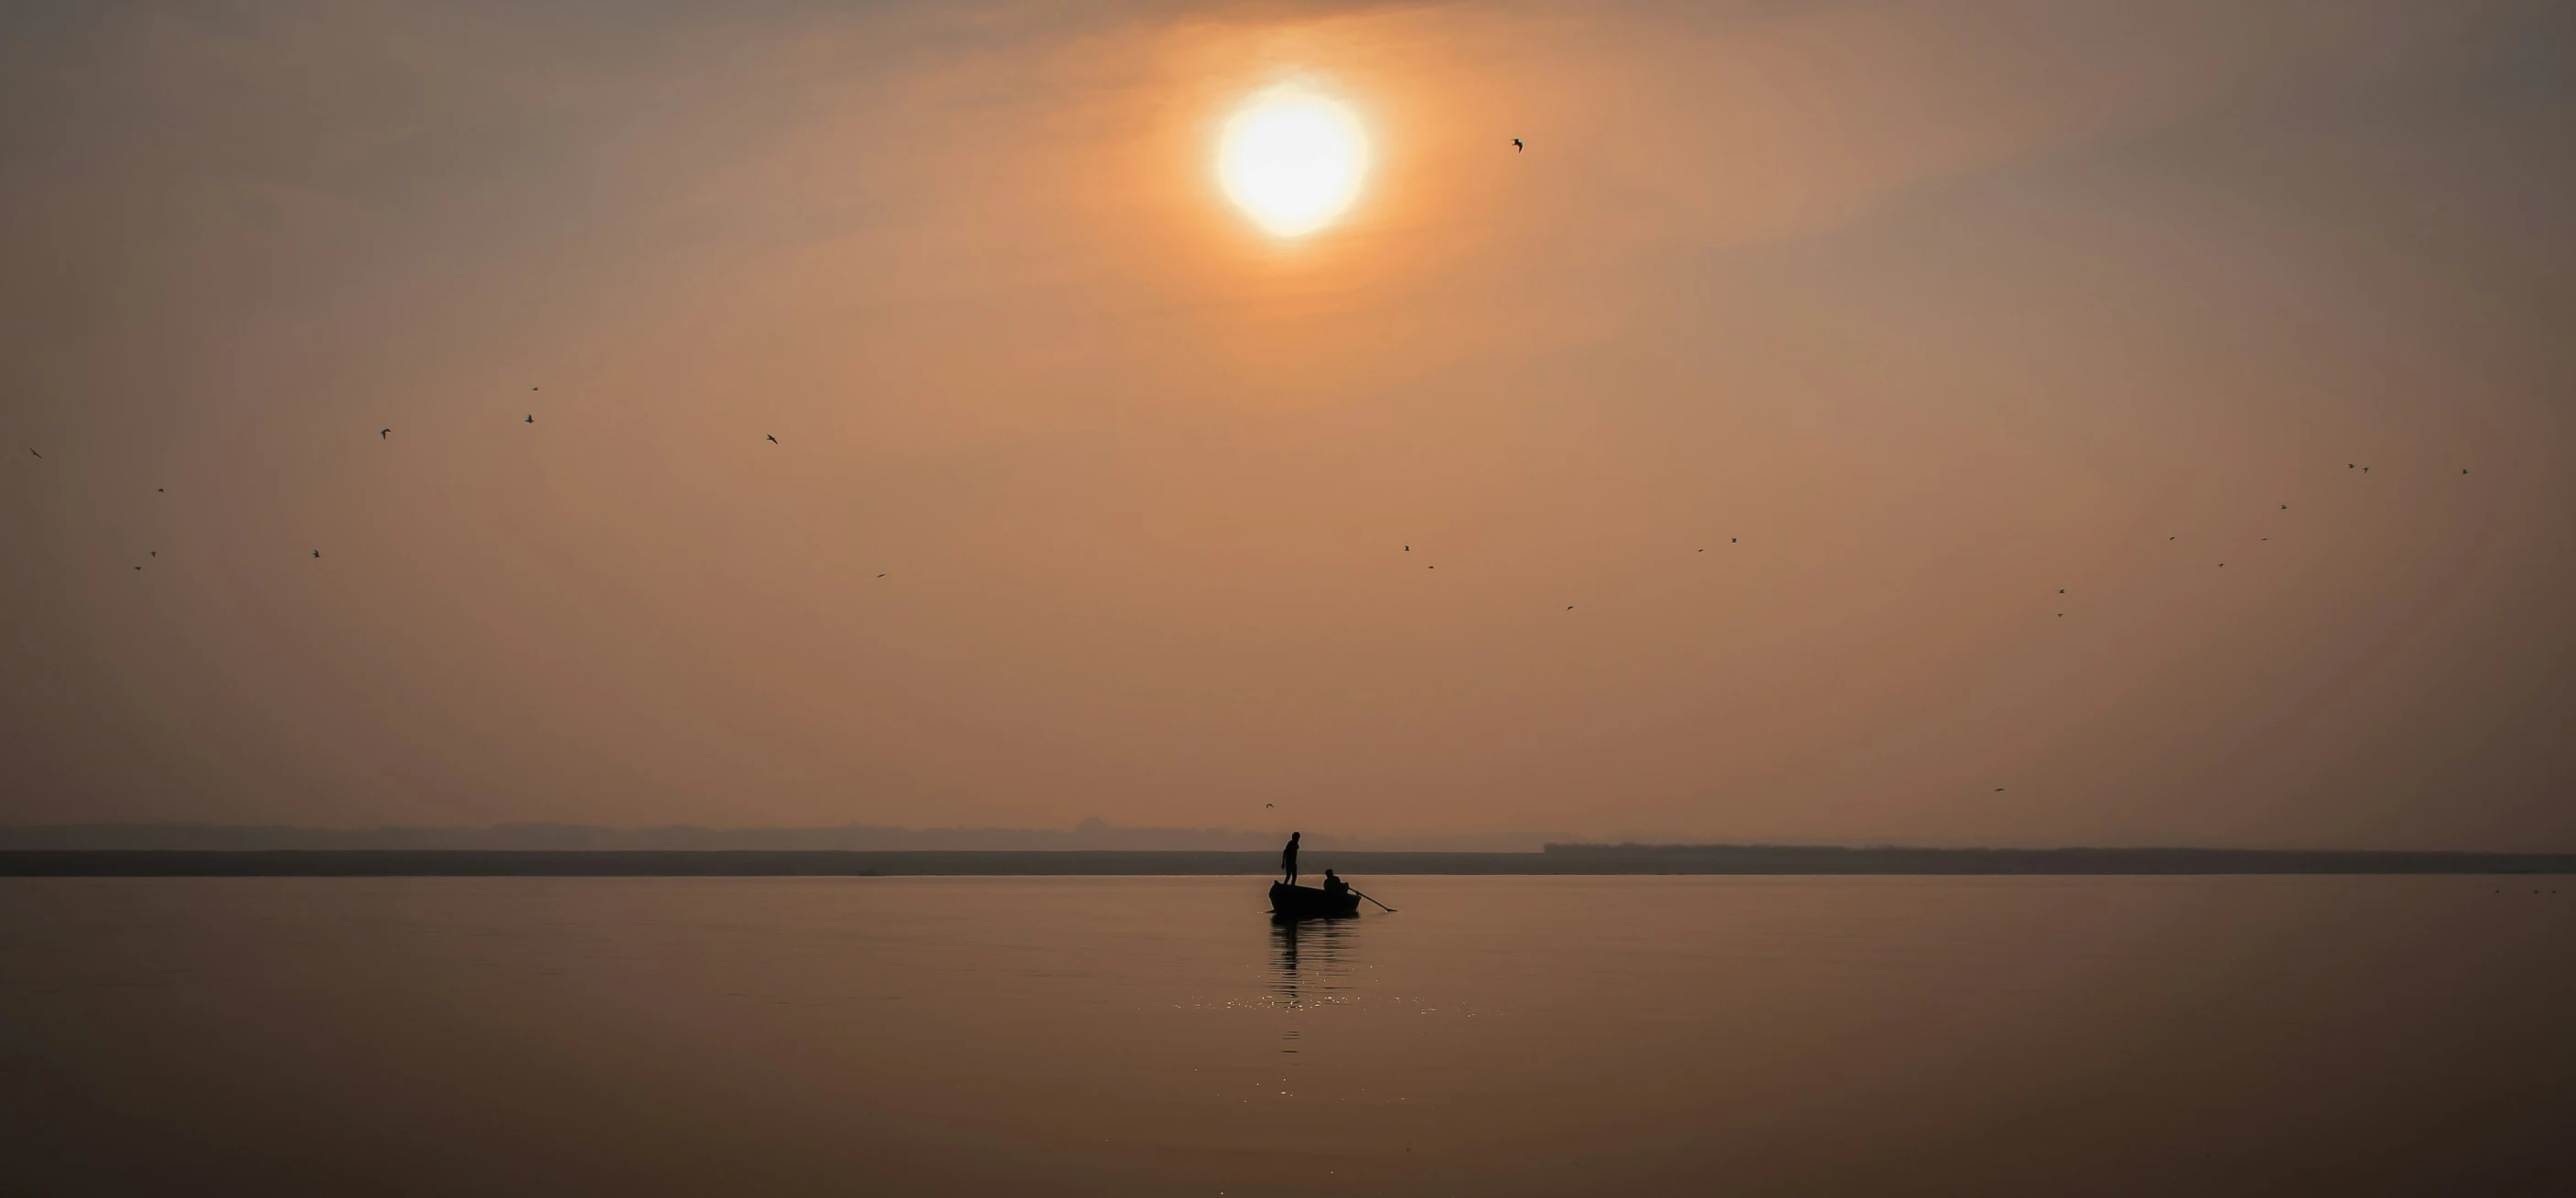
(1308, 902)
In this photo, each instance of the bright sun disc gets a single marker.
(1292, 160)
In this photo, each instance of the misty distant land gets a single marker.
(1091, 849)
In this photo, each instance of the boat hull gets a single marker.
(1308, 902)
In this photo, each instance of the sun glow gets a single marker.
(1292, 160)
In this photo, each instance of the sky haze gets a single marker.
(1937, 423)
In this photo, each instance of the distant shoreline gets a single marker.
(1556, 859)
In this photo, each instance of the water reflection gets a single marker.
(1309, 960)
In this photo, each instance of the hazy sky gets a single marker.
(1908, 314)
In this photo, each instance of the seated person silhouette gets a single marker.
(1335, 888)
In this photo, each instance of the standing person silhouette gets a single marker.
(1288, 858)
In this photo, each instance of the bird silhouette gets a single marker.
(1732, 540)
(1408, 549)
(1517, 147)
(384, 434)
(31, 449)
(138, 567)
(1569, 607)
(160, 490)
(532, 417)
(151, 553)
(880, 575)
(1999, 790)
(773, 438)
(2365, 469)
(1270, 804)
(317, 553)
(2222, 565)
(2061, 590)
(2285, 507)
(2464, 472)
(2061, 615)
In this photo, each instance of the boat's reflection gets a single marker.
(1309, 959)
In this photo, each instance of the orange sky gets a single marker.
(1938, 307)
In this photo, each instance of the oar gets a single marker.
(1381, 906)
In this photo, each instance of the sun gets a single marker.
(1292, 160)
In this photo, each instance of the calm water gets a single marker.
(1147, 1036)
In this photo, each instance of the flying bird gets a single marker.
(1270, 804)
(160, 490)
(1517, 147)
(773, 438)
(32, 449)
(138, 567)
(1408, 549)
(1999, 790)
(384, 434)
(2464, 472)
(1569, 607)
(2061, 590)
(532, 417)
(880, 575)
(2365, 469)
(1732, 540)
(2285, 507)
(317, 553)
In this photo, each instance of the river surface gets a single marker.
(1151, 1036)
